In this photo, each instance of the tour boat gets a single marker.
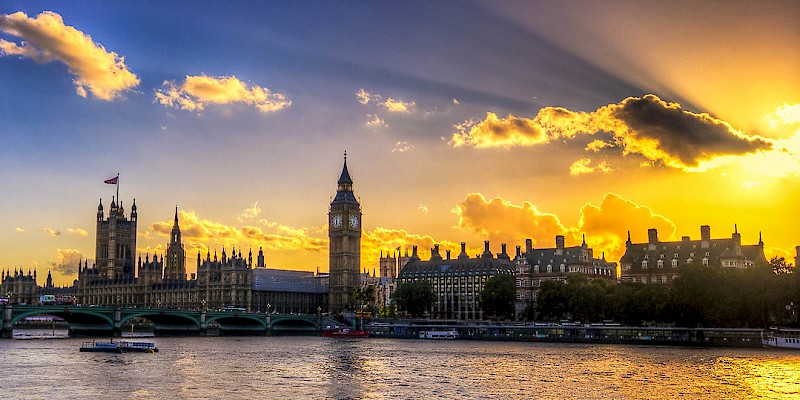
(119, 347)
(344, 333)
(781, 338)
(440, 335)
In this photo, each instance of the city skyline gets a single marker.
(462, 121)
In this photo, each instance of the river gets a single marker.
(320, 368)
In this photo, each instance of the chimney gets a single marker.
(528, 245)
(486, 252)
(463, 253)
(559, 241)
(685, 238)
(519, 251)
(737, 237)
(705, 236)
(448, 254)
(503, 248)
(652, 236)
(414, 252)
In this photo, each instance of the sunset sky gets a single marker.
(462, 121)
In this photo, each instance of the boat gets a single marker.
(451, 334)
(781, 338)
(344, 333)
(119, 347)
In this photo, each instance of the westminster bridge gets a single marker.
(112, 321)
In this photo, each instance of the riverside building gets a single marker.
(456, 282)
(658, 262)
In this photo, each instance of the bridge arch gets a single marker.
(162, 318)
(68, 314)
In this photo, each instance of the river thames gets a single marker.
(321, 368)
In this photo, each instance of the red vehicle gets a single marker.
(344, 333)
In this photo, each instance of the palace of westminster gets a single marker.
(122, 278)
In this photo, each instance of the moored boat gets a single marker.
(451, 334)
(119, 347)
(344, 333)
(781, 338)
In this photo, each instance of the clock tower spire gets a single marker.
(344, 234)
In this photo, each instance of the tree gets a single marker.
(497, 296)
(415, 298)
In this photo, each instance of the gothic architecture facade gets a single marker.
(161, 280)
(344, 233)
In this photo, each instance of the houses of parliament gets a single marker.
(122, 278)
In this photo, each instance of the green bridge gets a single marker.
(108, 321)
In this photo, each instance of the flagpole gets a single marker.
(117, 187)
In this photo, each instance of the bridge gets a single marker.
(112, 321)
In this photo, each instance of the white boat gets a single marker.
(781, 338)
(452, 334)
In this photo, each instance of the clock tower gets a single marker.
(344, 234)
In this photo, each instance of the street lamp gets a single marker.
(268, 308)
(203, 302)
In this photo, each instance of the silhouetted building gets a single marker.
(116, 242)
(658, 262)
(287, 292)
(538, 265)
(457, 283)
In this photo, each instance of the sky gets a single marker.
(462, 121)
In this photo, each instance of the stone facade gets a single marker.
(456, 283)
(658, 262)
(344, 232)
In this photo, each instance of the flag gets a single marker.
(112, 181)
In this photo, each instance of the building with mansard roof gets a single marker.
(456, 282)
(658, 262)
(538, 265)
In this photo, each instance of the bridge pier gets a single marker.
(117, 322)
(5, 327)
(203, 323)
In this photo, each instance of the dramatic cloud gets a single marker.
(46, 38)
(499, 132)
(78, 231)
(196, 92)
(661, 132)
(66, 262)
(249, 213)
(20, 230)
(402, 147)
(605, 226)
(203, 235)
(52, 232)
(364, 97)
(583, 166)
(500, 220)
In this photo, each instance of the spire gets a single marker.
(629, 239)
(176, 215)
(584, 240)
(344, 179)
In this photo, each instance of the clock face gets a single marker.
(353, 221)
(336, 221)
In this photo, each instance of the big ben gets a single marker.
(344, 233)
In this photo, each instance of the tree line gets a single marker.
(756, 297)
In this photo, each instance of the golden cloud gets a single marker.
(398, 106)
(46, 38)
(52, 232)
(402, 147)
(500, 220)
(198, 91)
(605, 225)
(499, 132)
(67, 262)
(583, 166)
(661, 132)
(78, 231)
(249, 213)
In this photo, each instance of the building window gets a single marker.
(674, 263)
(660, 264)
(644, 264)
(705, 261)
